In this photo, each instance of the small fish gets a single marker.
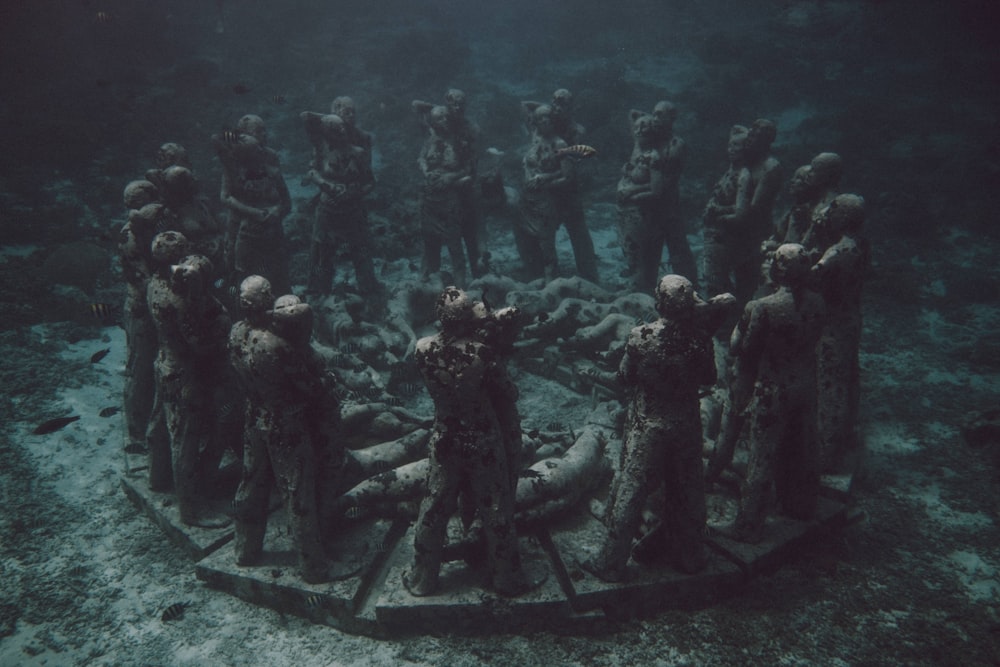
(109, 411)
(279, 99)
(174, 611)
(578, 151)
(230, 137)
(241, 88)
(381, 547)
(97, 356)
(555, 426)
(53, 425)
(409, 388)
(102, 311)
(393, 401)
(350, 348)
(353, 512)
(103, 17)
(314, 601)
(492, 150)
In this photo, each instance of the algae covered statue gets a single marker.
(774, 347)
(284, 446)
(256, 196)
(640, 191)
(191, 326)
(665, 365)
(446, 177)
(342, 168)
(470, 448)
(738, 217)
(551, 199)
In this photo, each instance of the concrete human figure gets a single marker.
(774, 347)
(673, 153)
(442, 201)
(639, 194)
(463, 135)
(827, 169)
(191, 327)
(342, 168)
(665, 364)
(271, 354)
(468, 450)
(738, 218)
(256, 197)
(550, 199)
(562, 117)
(839, 276)
(190, 212)
(134, 242)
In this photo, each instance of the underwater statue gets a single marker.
(443, 197)
(462, 136)
(673, 152)
(839, 275)
(551, 199)
(291, 429)
(471, 448)
(134, 242)
(666, 363)
(191, 327)
(342, 168)
(190, 213)
(738, 216)
(640, 194)
(257, 199)
(774, 352)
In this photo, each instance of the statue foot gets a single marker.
(418, 586)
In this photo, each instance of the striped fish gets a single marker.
(174, 611)
(578, 151)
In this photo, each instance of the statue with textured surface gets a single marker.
(839, 275)
(673, 152)
(134, 244)
(774, 347)
(256, 196)
(665, 364)
(640, 191)
(470, 451)
(446, 177)
(291, 426)
(191, 326)
(550, 199)
(342, 168)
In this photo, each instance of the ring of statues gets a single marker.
(365, 457)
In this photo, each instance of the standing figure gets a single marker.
(671, 226)
(190, 212)
(446, 178)
(550, 199)
(191, 326)
(134, 244)
(286, 385)
(468, 447)
(774, 346)
(665, 364)
(738, 218)
(840, 274)
(640, 193)
(255, 193)
(342, 168)
(562, 117)
(463, 136)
